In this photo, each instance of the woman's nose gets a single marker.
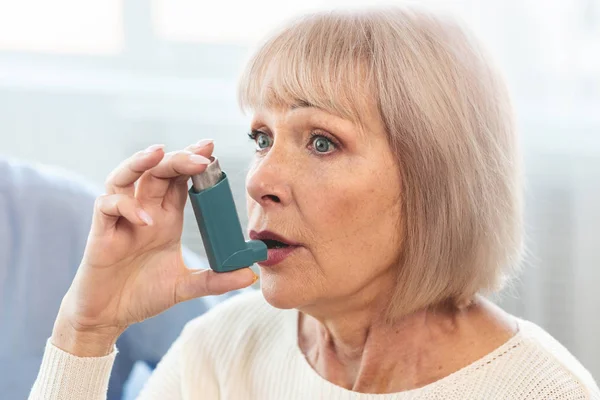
(267, 182)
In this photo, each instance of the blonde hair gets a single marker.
(449, 122)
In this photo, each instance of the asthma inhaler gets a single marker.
(219, 224)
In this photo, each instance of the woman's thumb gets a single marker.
(206, 282)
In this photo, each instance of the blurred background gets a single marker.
(83, 84)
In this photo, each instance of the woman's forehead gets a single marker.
(298, 111)
(359, 111)
(318, 117)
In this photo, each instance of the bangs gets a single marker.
(322, 60)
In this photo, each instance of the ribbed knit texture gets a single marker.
(246, 349)
(65, 376)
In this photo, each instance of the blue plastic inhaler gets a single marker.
(219, 224)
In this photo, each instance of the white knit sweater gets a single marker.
(246, 349)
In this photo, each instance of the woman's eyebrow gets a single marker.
(302, 104)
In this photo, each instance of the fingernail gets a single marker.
(144, 216)
(154, 147)
(198, 159)
(203, 143)
(255, 278)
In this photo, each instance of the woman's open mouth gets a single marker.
(278, 248)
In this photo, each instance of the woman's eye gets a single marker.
(263, 141)
(322, 145)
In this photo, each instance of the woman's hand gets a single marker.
(132, 268)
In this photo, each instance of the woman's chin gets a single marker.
(280, 293)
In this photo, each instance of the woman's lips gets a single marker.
(275, 256)
(265, 235)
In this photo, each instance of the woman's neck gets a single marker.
(360, 351)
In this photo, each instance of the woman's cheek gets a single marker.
(332, 208)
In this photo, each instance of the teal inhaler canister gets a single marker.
(219, 224)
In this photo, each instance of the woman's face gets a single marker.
(333, 192)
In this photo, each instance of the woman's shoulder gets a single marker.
(550, 363)
(530, 365)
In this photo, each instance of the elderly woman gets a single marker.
(387, 167)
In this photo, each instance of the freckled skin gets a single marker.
(343, 207)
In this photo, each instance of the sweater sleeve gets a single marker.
(63, 376)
